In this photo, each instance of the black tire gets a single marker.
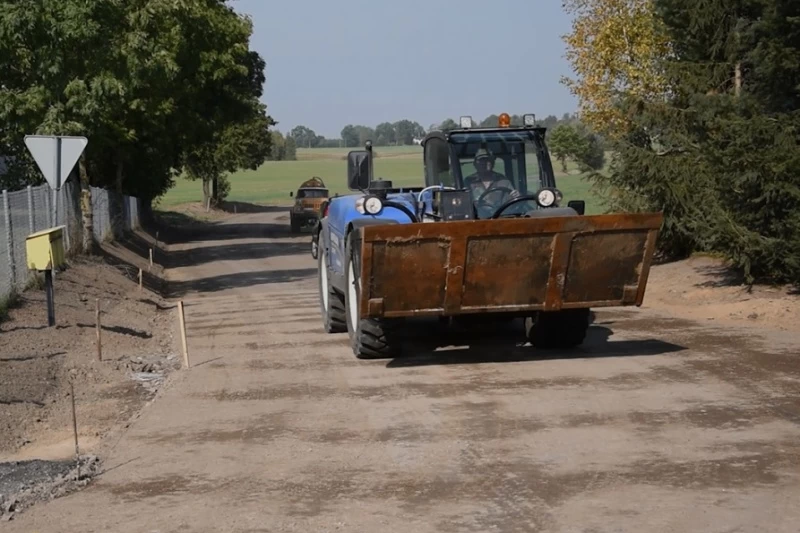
(557, 329)
(369, 338)
(294, 225)
(333, 316)
(315, 246)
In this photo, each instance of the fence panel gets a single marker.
(6, 278)
(20, 229)
(37, 208)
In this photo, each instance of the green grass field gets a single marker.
(273, 181)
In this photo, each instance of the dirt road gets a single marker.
(657, 424)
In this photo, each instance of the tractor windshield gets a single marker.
(312, 193)
(494, 165)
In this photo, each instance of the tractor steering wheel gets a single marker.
(483, 204)
(509, 203)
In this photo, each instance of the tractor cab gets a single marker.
(504, 171)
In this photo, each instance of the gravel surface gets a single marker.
(663, 421)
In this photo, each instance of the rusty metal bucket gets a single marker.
(507, 265)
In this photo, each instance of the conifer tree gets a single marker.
(721, 155)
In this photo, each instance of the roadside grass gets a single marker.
(274, 180)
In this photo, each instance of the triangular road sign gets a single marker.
(55, 156)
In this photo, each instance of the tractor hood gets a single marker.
(343, 209)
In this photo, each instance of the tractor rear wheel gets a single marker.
(331, 302)
(370, 338)
(557, 329)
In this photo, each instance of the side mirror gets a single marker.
(358, 170)
(577, 205)
(291, 194)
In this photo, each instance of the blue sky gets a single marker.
(330, 63)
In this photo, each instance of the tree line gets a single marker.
(570, 138)
(700, 105)
(160, 89)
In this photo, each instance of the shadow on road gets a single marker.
(506, 344)
(247, 207)
(209, 232)
(239, 280)
(235, 252)
(241, 230)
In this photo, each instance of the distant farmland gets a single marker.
(274, 180)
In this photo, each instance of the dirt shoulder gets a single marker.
(704, 289)
(40, 364)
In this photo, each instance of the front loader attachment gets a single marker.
(506, 265)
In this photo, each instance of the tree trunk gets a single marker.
(119, 176)
(86, 208)
(737, 81)
(215, 191)
(206, 192)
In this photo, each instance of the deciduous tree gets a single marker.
(615, 48)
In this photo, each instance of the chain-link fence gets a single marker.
(37, 208)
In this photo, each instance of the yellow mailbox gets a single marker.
(46, 249)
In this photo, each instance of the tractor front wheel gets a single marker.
(370, 338)
(557, 329)
(331, 302)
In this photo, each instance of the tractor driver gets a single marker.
(486, 179)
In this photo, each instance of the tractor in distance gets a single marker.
(309, 199)
(485, 237)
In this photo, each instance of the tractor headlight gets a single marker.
(549, 197)
(373, 205)
(546, 198)
(369, 205)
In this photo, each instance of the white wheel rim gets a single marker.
(323, 272)
(353, 310)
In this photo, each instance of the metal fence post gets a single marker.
(31, 219)
(55, 208)
(63, 194)
(9, 239)
(49, 205)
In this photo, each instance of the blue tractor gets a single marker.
(485, 237)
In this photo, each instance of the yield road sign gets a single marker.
(55, 155)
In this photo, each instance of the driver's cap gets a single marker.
(483, 153)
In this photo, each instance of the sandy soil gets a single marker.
(679, 416)
(701, 288)
(39, 365)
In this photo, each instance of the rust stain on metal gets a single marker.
(451, 268)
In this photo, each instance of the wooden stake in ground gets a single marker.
(75, 428)
(184, 343)
(97, 328)
(151, 258)
(140, 280)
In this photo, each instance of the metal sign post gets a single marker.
(55, 156)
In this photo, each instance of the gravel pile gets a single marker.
(23, 483)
